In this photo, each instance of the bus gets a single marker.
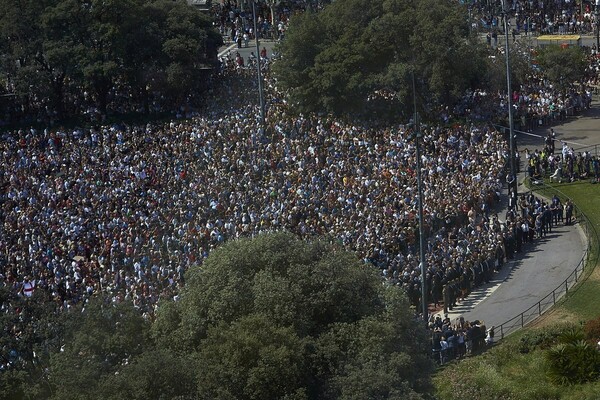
(561, 40)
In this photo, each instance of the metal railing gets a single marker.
(589, 259)
(593, 149)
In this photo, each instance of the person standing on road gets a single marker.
(538, 225)
(569, 212)
(547, 215)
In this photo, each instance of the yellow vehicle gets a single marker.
(561, 40)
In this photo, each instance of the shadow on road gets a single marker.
(508, 270)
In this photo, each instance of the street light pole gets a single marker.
(597, 13)
(258, 70)
(470, 24)
(512, 183)
(418, 135)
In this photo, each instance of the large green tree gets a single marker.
(562, 66)
(54, 50)
(99, 344)
(277, 317)
(31, 332)
(272, 317)
(361, 49)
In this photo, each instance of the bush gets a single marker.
(571, 335)
(571, 363)
(542, 338)
(592, 330)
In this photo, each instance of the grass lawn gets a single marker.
(505, 371)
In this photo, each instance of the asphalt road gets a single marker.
(231, 48)
(548, 261)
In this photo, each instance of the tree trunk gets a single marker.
(145, 100)
(273, 17)
(102, 87)
(58, 89)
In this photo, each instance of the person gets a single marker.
(251, 59)
(462, 349)
(539, 228)
(470, 334)
(443, 350)
(28, 287)
(556, 176)
(569, 212)
(489, 339)
(239, 60)
(263, 53)
(436, 348)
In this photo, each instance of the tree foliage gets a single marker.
(520, 68)
(562, 66)
(354, 50)
(98, 345)
(272, 317)
(276, 317)
(573, 360)
(55, 50)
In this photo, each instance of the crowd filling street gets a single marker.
(125, 211)
(537, 17)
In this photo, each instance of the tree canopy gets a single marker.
(562, 66)
(272, 317)
(356, 50)
(65, 56)
(277, 317)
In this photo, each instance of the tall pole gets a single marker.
(512, 183)
(258, 70)
(597, 12)
(470, 24)
(420, 192)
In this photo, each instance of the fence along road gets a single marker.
(536, 278)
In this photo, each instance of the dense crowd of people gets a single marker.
(451, 341)
(537, 102)
(532, 219)
(129, 209)
(537, 16)
(235, 19)
(126, 210)
(562, 165)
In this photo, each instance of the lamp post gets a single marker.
(423, 263)
(512, 182)
(258, 70)
(597, 13)
(470, 24)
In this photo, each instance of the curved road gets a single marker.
(547, 262)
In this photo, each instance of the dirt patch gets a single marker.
(559, 314)
(553, 317)
(595, 275)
